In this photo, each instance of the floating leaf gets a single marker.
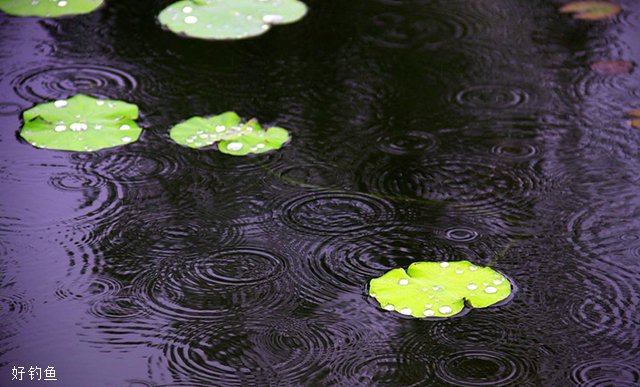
(635, 123)
(229, 19)
(634, 113)
(439, 289)
(48, 8)
(232, 136)
(612, 66)
(591, 10)
(81, 123)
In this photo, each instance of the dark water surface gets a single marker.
(422, 130)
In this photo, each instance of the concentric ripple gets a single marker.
(119, 308)
(373, 365)
(461, 234)
(135, 165)
(474, 186)
(240, 280)
(82, 288)
(215, 352)
(61, 81)
(438, 25)
(336, 213)
(299, 348)
(10, 108)
(606, 372)
(13, 309)
(514, 150)
(483, 367)
(407, 143)
(68, 181)
(492, 97)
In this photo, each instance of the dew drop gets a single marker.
(126, 139)
(472, 286)
(497, 282)
(390, 307)
(272, 19)
(403, 282)
(60, 128)
(190, 19)
(60, 103)
(78, 126)
(445, 309)
(428, 313)
(99, 102)
(220, 128)
(187, 9)
(436, 287)
(234, 146)
(459, 271)
(125, 127)
(62, 3)
(260, 146)
(444, 264)
(490, 289)
(473, 268)
(406, 311)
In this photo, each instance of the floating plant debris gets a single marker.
(81, 124)
(229, 19)
(612, 66)
(439, 289)
(48, 8)
(591, 10)
(229, 133)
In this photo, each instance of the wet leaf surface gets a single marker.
(81, 123)
(229, 19)
(439, 289)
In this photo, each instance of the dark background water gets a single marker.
(422, 130)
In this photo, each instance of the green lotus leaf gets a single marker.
(231, 135)
(439, 289)
(81, 124)
(48, 8)
(591, 10)
(229, 19)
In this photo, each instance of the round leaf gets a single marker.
(48, 8)
(81, 123)
(229, 19)
(229, 133)
(439, 289)
(591, 10)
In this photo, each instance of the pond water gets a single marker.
(421, 130)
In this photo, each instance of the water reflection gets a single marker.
(442, 130)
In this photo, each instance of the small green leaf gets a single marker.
(48, 8)
(229, 19)
(439, 289)
(81, 124)
(229, 133)
(591, 10)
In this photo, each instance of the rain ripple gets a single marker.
(492, 97)
(223, 283)
(56, 81)
(336, 213)
(484, 367)
(606, 373)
